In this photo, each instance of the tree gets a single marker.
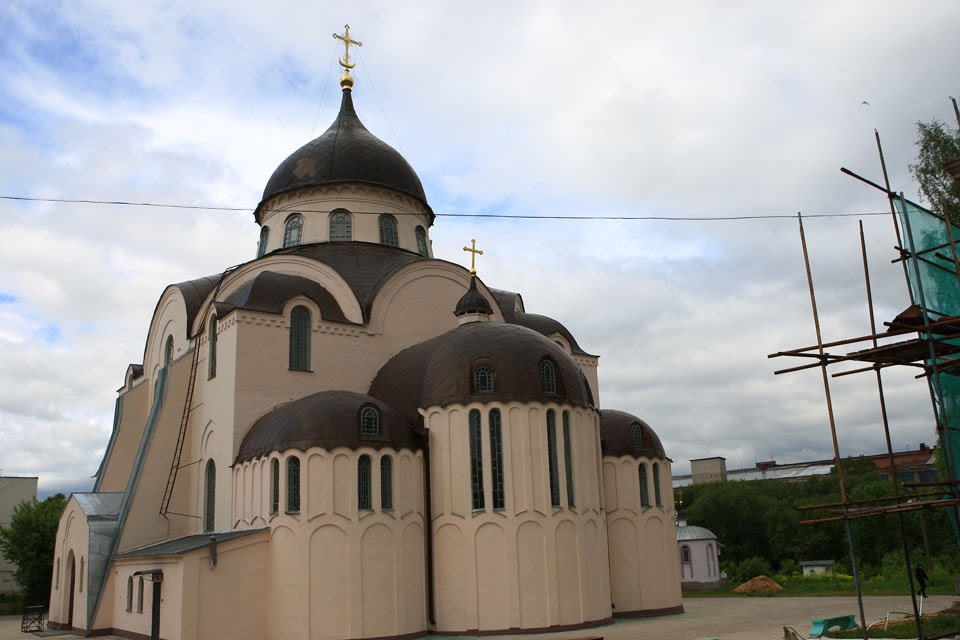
(29, 543)
(936, 145)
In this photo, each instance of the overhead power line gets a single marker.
(517, 216)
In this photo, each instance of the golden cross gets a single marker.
(474, 252)
(347, 41)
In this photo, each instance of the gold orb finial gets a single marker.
(346, 80)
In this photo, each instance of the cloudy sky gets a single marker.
(668, 110)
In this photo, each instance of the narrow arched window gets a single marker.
(80, 583)
(422, 243)
(568, 459)
(341, 226)
(130, 593)
(685, 554)
(209, 496)
(388, 231)
(496, 460)
(56, 581)
(293, 230)
(656, 485)
(364, 489)
(644, 487)
(300, 335)
(483, 379)
(369, 421)
(386, 483)
(636, 436)
(552, 458)
(548, 376)
(476, 461)
(212, 344)
(262, 245)
(293, 484)
(168, 351)
(140, 595)
(274, 486)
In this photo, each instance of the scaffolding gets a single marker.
(926, 337)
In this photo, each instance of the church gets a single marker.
(349, 437)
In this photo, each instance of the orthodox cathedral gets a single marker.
(348, 437)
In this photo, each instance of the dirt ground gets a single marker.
(756, 618)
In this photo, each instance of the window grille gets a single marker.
(209, 496)
(496, 460)
(636, 435)
(386, 483)
(140, 595)
(388, 231)
(262, 245)
(483, 379)
(644, 488)
(476, 461)
(293, 484)
(300, 338)
(274, 486)
(364, 490)
(293, 230)
(656, 484)
(685, 550)
(422, 242)
(369, 421)
(552, 458)
(341, 226)
(548, 376)
(568, 459)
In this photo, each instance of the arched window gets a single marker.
(496, 460)
(483, 379)
(422, 243)
(636, 435)
(476, 461)
(300, 335)
(293, 230)
(212, 344)
(274, 486)
(262, 245)
(341, 226)
(140, 595)
(293, 484)
(388, 231)
(209, 496)
(364, 490)
(656, 485)
(80, 583)
(644, 487)
(552, 457)
(168, 351)
(56, 581)
(369, 421)
(568, 459)
(685, 554)
(711, 562)
(386, 483)
(130, 593)
(548, 376)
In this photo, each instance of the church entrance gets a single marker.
(155, 609)
(73, 584)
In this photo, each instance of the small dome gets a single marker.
(618, 436)
(328, 419)
(345, 152)
(688, 532)
(473, 301)
(439, 371)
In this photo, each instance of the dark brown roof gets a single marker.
(507, 301)
(327, 419)
(472, 301)
(194, 292)
(345, 152)
(269, 291)
(541, 324)
(438, 372)
(366, 266)
(616, 438)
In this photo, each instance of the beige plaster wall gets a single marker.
(529, 565)
(358, 574)
(73, 535)
(116, 472)
(644, 574)
(364, 202)
(131, 618)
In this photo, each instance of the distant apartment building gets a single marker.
(916, 465)
(13, 491)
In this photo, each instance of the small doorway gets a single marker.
(72, 590)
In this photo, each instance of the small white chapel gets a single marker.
(348, 437)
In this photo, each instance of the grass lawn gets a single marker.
(934, 625)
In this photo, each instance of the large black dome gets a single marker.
(346, 152)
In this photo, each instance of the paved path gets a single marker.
(756, 618)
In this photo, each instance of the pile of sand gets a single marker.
(760, 584)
